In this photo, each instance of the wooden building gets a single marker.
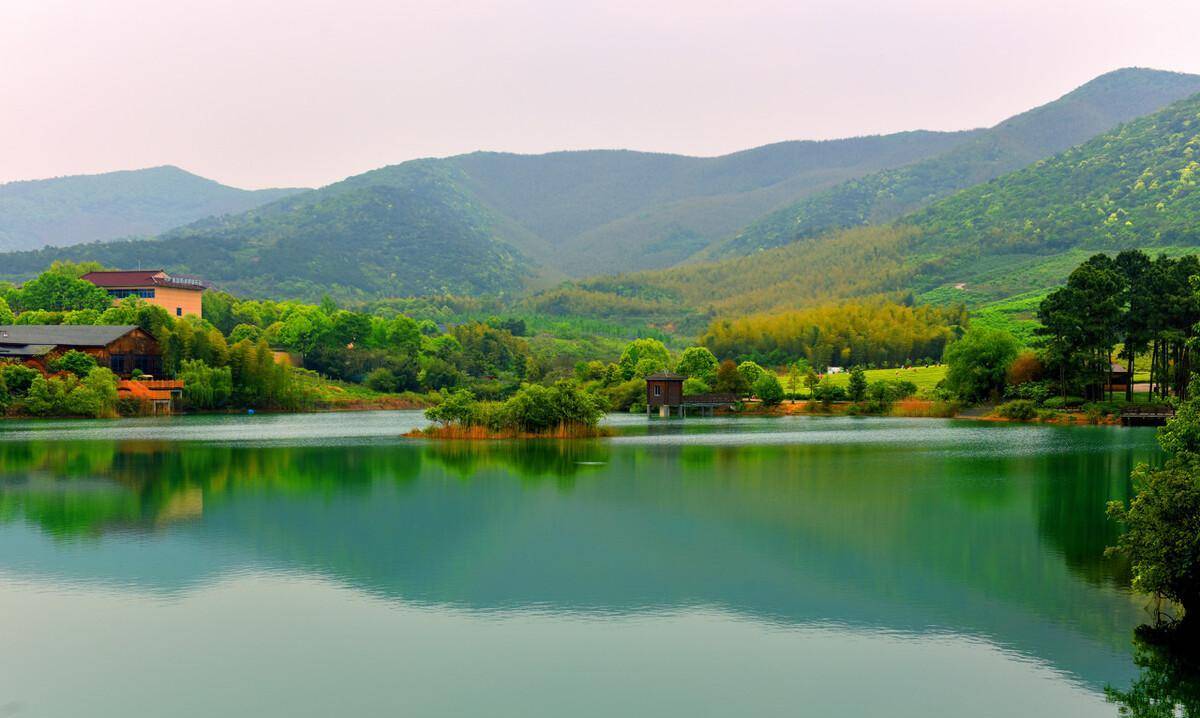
(120, 348)
(664, 389)
(179, 294)
(1118, 378)
(664, 394)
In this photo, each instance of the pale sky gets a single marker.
(256, 93)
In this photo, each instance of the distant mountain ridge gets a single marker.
(492, 223)
(1136, 186)
(87, 208)
(1081, 114)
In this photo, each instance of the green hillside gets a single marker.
(489, 223)
(522, 219)
(1135, 186)
(602, 211)
(1082, 114)
(422, 237)
(88, 208)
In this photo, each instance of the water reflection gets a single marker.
(869, 526)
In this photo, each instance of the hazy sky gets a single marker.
(257, 93)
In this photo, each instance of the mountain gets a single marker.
(501, 223)
(1079, 115)
(1133, 187)
(600, 211)
(88, 208)
(420, 236)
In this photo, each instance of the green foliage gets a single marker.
(95, 396)
(857, 389)
(827, 392)
(206, 387)
(76, 362)
(768, 389)
(458, 407)
(882, 394)
(643, 357)
(695, 385)
(537, 408)
(1162, 523)
(977, 364)
(699, 363)
(1018, 409)
(56, 292)
(730, 380)
(750, 372)
(534, 408)
(6, 313)
(17, 377)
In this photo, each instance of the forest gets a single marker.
(868, 334)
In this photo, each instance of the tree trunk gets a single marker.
(1129, 381)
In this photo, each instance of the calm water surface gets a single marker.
(318, 565)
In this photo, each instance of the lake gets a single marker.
(318, 565)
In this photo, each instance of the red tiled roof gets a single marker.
(143, 278)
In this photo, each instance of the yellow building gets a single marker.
(179, 294)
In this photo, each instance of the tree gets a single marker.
(811, 380)
(643, 355)
(1162, 522)
(52, 291)
(750, 372)
(6, 313)
(768, 389)
(102, 383)
(698, 362)
(977, 364)
(857, 390)
(794, 378)
(730, 380)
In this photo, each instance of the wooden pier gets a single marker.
(1146, 415)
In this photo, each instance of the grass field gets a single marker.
(925, 377)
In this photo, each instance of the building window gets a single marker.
(122, 293)
(179, 311)
(658, 390)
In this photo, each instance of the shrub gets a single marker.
(1025, 368)
(695, 385)
(132, 406)
(885, 392)
(1064, 402)
(1018, 409)
(73, 361)
(827, 392)
(456, 408)
(382, 380)
(627, 396)
(768, 389)
(18, 378)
